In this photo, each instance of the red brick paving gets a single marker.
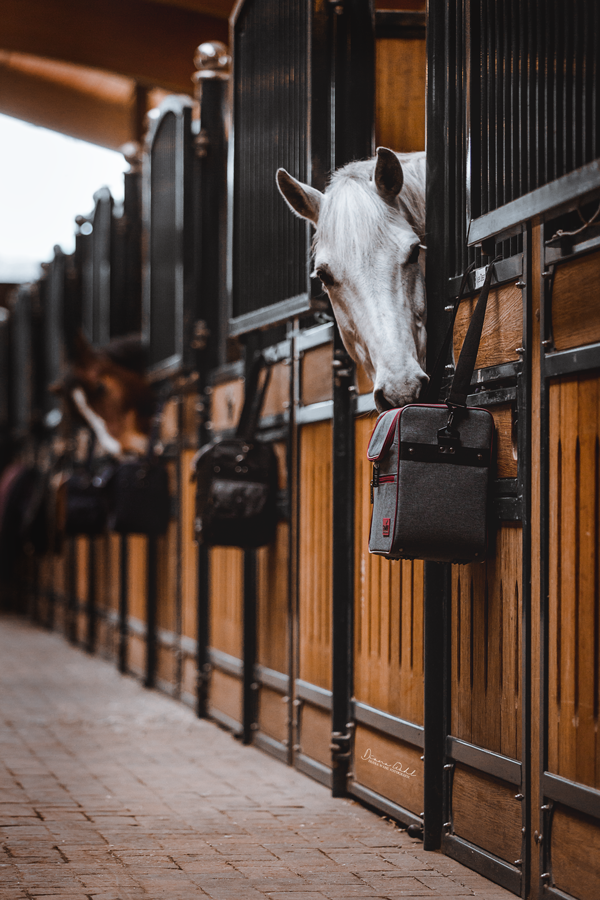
(112, 792)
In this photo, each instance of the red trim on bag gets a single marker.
(386, 527)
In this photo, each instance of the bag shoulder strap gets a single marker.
(253, 400)
(432, 390)
(468, 354)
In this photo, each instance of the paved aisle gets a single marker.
(112, 792)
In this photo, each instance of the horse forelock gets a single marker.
(353, 208)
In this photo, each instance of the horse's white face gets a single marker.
(367, 257)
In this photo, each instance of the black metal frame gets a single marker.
(22, 358)
(555, 789)
(183, 290)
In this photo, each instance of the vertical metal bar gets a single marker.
(72, 599)
(250, 687)
(91, 596)
(123, 601)
(353, 125)
(440, 180)
(151, 610)
(203, 633)
(293, 468)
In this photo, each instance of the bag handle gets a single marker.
(468, 354)
(253, 400)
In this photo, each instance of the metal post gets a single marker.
(437, 575)
(151, 603)
(123, 602)
(353, 99)
(91, 597)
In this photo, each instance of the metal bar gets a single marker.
(315, 412)
(315, 769)
(221, 717)
(400, 24)
(565, 362)
(508, 269)
(270, 745)
(250, 688)
(576, 796)
(277, 681)
(493, 398)
(274, 314)
(315, 337)
(123, 601)
(318, 696)
(90, 643)
(383, 804)
(203, 632)
(387, 724)
(485, 863)
(484, 760)
(546, 202)
(151, 610)
(226, 663)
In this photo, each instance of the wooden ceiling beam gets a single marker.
(104, 113)
(152, 43)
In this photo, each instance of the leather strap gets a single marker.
(468, 354)
(432, 390)
(253, 400)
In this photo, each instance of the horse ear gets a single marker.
(302, 199)
(389, 177)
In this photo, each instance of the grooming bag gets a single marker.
(140, 502)
(236, 498)
(431, 467)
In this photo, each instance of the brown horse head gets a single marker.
(110, 390)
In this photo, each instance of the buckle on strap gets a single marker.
(448, 436)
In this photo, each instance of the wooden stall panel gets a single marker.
(273, 714)
(486, 813)
(82, 545)
(315, 375)
(390, 767)
(574, 597)
(167, 612)
(103, 626)
(502, 329)
(575, 852)
(273, 602)
(388, 614)
(315, 555)
(315, 733)
(486, 648)
(189, 549)
(400, 69)
(226, 696)
(226, 404)
(278, 392)
(575, 315)
(137, 550)
(226, 599)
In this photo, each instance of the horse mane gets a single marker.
(353, 206)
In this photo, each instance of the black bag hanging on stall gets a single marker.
(86, 496)
(432, 463)
(236, 499)
(139, 491)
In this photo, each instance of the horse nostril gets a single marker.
(381, 401)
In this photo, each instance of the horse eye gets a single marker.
(414, 255)
(325, 276)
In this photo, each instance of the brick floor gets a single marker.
(112, 792)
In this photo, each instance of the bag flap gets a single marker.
(420, 424)
(382, 435)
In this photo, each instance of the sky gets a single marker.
(46, 179)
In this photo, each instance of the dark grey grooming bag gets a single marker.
(431, 464)
(430, 489)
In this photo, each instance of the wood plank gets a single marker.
(575, 854)
(272, 714)
(400, 71)
(502, 329)
(226, 599)
(137, 549)
(315, 733)
(189, 549)
(136, 655)
(506, 441)
(575, 315)
(388, 642)
(226, 694)
(554, 582)
(316, 374)
(278, 392)
(485, 813)
(273, 602)
(389, 767)
(150, 43)
(93, 106)
(315, 554)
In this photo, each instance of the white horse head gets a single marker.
(370, 224)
